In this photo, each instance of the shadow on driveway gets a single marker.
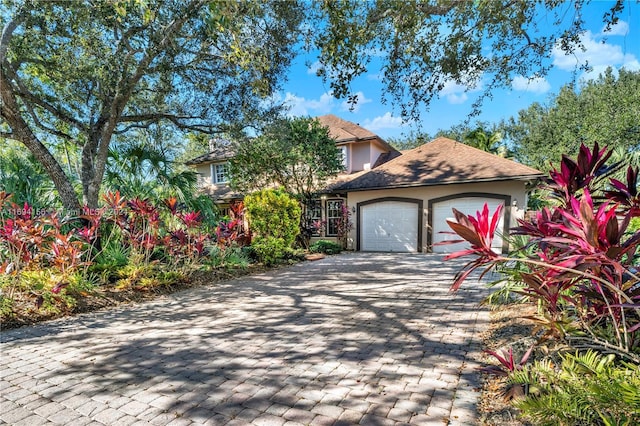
(359, 338)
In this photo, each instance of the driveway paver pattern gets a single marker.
(359, 338)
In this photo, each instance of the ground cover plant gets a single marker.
(325, 247)
(578, 264)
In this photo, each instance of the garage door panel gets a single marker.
(390, 226)
(442, 211)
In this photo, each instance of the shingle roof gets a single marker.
(219, 153)
(343, 130)
(441, 161)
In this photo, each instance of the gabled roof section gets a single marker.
(441, 161)
(343, 130)
(219, 153)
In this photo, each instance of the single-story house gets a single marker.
(400, 201)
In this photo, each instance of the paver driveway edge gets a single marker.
(359, 338)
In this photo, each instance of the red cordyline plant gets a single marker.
(149, 232)
(584, 264)
(42, 241)
(233, 231)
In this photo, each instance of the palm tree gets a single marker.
(25, 178)
(486, 141)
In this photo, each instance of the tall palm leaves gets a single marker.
(140, 170)
(486, 140)
(23, 177)
(143, 170)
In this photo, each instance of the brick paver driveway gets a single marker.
(359, 338)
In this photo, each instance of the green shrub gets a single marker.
(586, 389)
(326, 247)
(249, 253)
(270, 249)
(6, 306)
(113, 257)
(274, 217)
(233, 257)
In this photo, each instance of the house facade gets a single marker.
(213, 173)
(398, 201)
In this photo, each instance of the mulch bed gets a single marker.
(507, 328)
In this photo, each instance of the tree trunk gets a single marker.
(22, 133)
(87, 176)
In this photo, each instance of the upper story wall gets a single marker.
(364, 155)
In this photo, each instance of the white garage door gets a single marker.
(442, 211)
(390, 226)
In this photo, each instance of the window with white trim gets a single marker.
(314, 217)
(220, 173)
(343, 153)
(334, 217)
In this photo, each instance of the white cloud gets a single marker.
(594, 53)
(299, 106)
(621, 28)
(314, 67)
(361, 99)
(534, 85)
(456, 93)
(597, 54)
(456, 99)
(631, 64)
(386, 121)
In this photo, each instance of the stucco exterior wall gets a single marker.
(361, 154)
(375, 152)
(204, 173)
(514, 189)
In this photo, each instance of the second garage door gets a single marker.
(470, 205)
(389, 226)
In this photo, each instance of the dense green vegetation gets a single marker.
(604, 110)
(578, 262)
(274, 218)
(78, 81)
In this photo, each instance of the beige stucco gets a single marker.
(514, 189)
(204, 173)
(375, 151)
(361, 154)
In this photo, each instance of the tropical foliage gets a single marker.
(24, 177)
(87, 76)
(326, 247)
(587, 389)
(53, 260)
(297, 155)
(77, 80)
(580, 265)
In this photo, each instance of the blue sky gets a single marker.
(306, 94)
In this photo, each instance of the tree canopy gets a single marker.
(423, 46)
(297, 155)
(605, 110)
(82, 74)
(90, 72)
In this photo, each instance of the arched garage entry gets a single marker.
(467, 203)
(391, 224)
